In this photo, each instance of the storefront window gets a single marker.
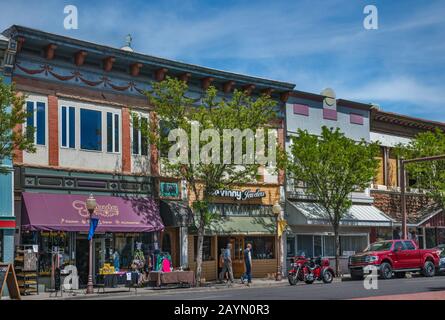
(318, 245)
(262, 247)
(290, 248)
(49, 243)
(329, 246)
(125, 246)
(206, 249)
(440, 236)
(166, 243)
(305, 245)
(352, 244)
(430, 237)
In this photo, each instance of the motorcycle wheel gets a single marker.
(293, 279)
(328, 276)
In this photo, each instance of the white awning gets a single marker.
(358, 215)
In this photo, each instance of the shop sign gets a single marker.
(106, 211)
(169, 189)
(239, 194)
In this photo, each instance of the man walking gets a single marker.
(248, 263)
(227, 267)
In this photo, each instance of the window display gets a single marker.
(206, 249)
(262, 247)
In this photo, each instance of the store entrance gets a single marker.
(82, 256)
(82, 248)
(237, 243)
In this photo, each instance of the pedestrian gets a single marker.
(227, 267)
(248, 263)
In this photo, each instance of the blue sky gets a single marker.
(314, 44)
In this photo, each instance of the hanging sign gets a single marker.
(169, 189)
(239, 194)
(9, 280)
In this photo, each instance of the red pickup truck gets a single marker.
(395, 257)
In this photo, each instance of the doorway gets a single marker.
(82, 257)
(237, 254)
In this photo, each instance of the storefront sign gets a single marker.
(239, 194)
(169, 189)
(106, 211)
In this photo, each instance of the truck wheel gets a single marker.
(385, 271)
(400, 275)
(428, 269)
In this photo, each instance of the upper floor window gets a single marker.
(68, 120)
(356, 118)
(301, 109)
(90, 130)
(112, 132)
(140, 139)
(37, 120)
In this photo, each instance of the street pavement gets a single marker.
(394, 289)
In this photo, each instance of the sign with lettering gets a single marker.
(8, 279)
(169, 189)
(239, 194)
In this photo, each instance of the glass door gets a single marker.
(98, 254)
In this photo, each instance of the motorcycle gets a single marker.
(309, 270)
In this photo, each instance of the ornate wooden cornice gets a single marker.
(135, 68)
(79, 58)
(284, 96)
(160, 74)
(206, 82)
(267, 91)
(228, 86)
(108, 63)
(248, 88)
(185, 76)
(50, 51)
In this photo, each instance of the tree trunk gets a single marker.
(337, 250)
(199, 253)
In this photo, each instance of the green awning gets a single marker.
(241, 226)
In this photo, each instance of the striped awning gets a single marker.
(314, 214)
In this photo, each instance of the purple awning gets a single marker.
(67, 212)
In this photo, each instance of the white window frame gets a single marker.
(67, 106)
(140, 116)
(113, 131)
(35, 100)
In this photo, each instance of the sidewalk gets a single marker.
(146, 291)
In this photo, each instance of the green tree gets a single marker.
(331, 167)
(12, 113)
(176, 110)
(429, 175)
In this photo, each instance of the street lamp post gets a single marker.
(91, 206)
(276, 209)
(403, 186)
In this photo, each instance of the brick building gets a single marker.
(423, 216)
(79, 96)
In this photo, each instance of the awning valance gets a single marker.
(67, 212)
(176, 213)
(358, 215)
(232, 225)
